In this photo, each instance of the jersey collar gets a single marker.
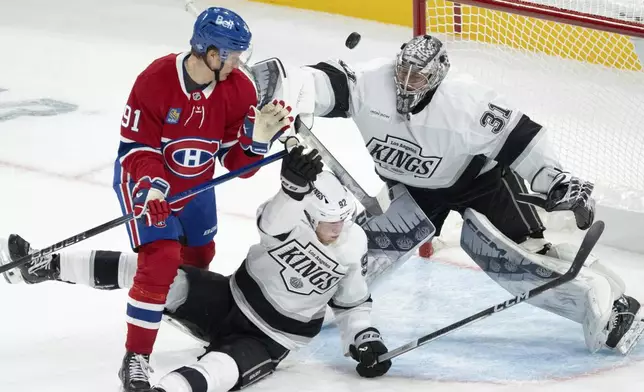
(179, 65)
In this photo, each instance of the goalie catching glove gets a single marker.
(299, 170)
(568, 193)
(563, 193)
(367, 347)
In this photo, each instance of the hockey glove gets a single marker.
(299, 170)
(149, 200)
(568, 193)
(262, 127)
(366, 349)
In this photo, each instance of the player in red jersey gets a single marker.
(184, 111)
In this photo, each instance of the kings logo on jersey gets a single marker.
(402, 157)
(190, 157)
(305, 268)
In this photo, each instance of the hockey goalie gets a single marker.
(459, 146)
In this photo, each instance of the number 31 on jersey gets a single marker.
(496, 117)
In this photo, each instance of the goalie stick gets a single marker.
(128, 217)
(589, 241)
(374, 205)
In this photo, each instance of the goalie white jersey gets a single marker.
(287, 280)
(463, 129)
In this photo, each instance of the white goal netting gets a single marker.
(584, 84)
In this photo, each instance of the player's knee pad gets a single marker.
(198, 256)
(252, 357)
(215, 372)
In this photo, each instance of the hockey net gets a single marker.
(571, 65)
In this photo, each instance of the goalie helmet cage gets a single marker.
(572, 66)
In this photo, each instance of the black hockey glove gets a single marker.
(568, 193)
(299, 170)
(366, 349)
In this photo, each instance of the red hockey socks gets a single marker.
(198, 256)
(157, 266)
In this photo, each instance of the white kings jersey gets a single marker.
(287, 280)
(459, 131)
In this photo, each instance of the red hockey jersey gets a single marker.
(170, 133)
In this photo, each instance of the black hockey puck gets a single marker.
(352, 40)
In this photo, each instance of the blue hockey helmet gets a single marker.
(221, 28)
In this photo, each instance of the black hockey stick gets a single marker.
(128, 217)
(589, 241)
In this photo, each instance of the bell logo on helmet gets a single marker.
(227, 23)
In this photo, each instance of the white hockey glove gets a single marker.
(262, 127)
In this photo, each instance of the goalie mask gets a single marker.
(329, 206)
(421, 66)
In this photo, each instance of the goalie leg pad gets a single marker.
(394, 236)
(586, 300)
(566, 252)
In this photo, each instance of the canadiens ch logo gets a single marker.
(305, 269)
(401, 156)
(190, 157)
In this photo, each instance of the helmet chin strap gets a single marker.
(216, 71)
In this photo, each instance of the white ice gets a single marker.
(55, 173)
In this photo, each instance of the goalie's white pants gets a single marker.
(78, 267)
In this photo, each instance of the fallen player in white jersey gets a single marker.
(456, 145)
(309, 256)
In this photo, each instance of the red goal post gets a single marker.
(545, 10)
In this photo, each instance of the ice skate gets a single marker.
(135, 372)
(626, 325)
(35, 271)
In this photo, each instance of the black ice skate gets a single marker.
(135, 372)
(626, 324)
(36, 271)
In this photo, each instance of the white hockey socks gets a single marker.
(215, 372)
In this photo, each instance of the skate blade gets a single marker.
(184, 329)
(12, 276)
(633, 335)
